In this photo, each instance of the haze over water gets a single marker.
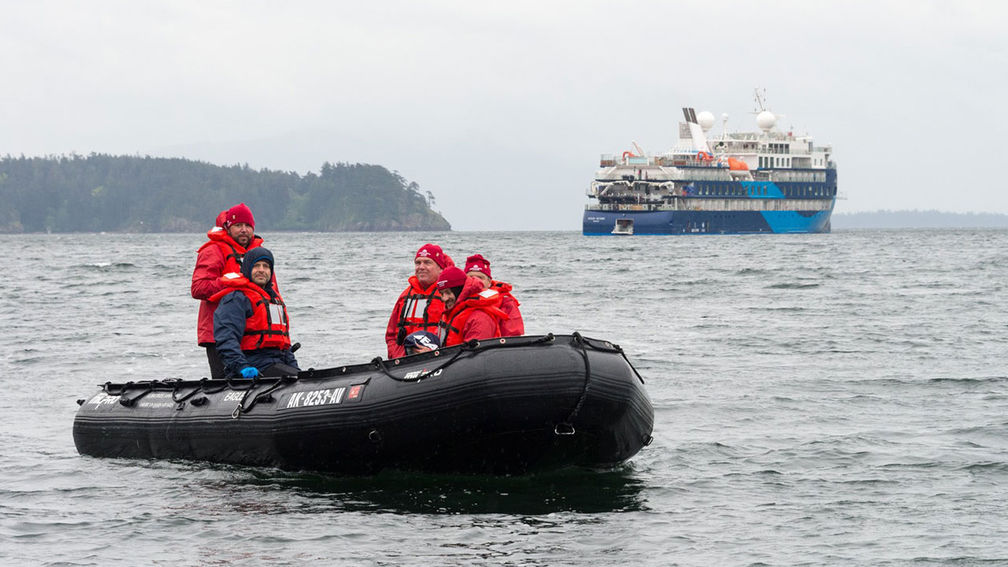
(828, 399)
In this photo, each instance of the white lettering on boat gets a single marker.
(329, 396)
(417, 373)
(103, 399)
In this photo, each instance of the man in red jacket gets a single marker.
(419, 307)
(478, 267)
(221, 254)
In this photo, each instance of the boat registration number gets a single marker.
(323, 397)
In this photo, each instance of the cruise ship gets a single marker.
(768, 181)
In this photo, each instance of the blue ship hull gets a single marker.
(708, 222)
(689, 220)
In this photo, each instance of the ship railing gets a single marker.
(720, 204)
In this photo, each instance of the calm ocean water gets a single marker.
(819, 400)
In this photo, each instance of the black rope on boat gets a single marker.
(225, 384)
(619, 349)
(241, 403)
(263, 396)
(470, 346)
(639, 377)
(107, 387)
(130, 402)
(566, 427)
(180, 402)
(267, 394)
(614, 348)
(240, 407)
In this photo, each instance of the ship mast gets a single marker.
(760, 100)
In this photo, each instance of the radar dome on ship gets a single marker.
(766, 120)
(706, 120)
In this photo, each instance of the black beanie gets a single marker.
(253, 256)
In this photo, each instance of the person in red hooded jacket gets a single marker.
(419, 307)
(221, 254)
(478, 267)
(471, 312)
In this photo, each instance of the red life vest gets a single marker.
(488, 301)
(231, 250)
(421, 310)
(268, 327)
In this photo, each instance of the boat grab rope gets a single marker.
(470, 346)
(127, 401)
(264, 396)
(566, 427)
(204, 386)
(606, 346)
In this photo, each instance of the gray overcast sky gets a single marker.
(502, 109)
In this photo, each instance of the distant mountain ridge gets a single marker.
(918, 219)
(100, 192)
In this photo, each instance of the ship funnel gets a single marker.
(696, 132)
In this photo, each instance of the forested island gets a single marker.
(918, 219)
(100, 192)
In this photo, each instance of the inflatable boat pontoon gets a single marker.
(502, 406)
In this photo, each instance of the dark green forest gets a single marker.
(145, 194)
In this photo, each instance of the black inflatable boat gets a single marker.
(504, 406)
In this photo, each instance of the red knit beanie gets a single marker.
(451, 277)
(477, 263)
(239, 213)
(434, 252)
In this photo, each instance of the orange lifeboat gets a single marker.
(737, 165)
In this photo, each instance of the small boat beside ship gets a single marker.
(503, 406)
(769, 181)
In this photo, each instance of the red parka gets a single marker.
(218, 256)
(514, 325)
(417, 309)
(475, 315)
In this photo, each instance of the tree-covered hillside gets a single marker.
(144, 194)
